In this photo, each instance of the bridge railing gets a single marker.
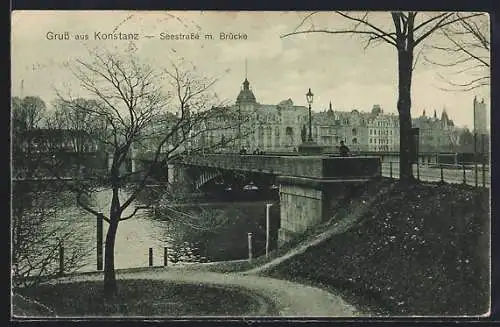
(298, 166)
(470, 173)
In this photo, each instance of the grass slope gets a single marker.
(420, 250)
(145, 298)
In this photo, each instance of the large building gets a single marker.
(264, 127)
(437, 134)
(281, 128)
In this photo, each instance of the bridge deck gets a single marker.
(325, 167)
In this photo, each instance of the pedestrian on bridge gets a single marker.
(343, 149)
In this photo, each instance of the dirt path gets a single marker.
(290, 299)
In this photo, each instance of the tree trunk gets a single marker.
(405, 61)
(110, 287)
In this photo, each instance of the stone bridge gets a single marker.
(308, 185)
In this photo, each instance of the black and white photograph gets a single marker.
(246, 164)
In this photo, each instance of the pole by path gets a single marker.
(165, 256)
(61, 258)
(250, 254)
(99, 244)
(483, 157)
(268, 206)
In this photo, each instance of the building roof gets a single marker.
(246, 95)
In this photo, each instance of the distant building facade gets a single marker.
(278, 128)
(437, 134)
(480, 121)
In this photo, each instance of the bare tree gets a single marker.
(28, 112)
(406, 34)
(36, 232)
(163, 113)
(75, 118)
(466, 50)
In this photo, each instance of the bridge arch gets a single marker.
(206, 177)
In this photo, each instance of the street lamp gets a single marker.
(309, 147)
(309, 97)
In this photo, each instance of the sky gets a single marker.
(337, 68)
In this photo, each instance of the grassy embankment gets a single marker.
(420, 250)
(140, 298)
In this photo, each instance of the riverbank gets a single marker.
(421, 250)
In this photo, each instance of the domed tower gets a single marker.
(246, 98)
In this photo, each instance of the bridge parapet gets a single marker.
(316, 167)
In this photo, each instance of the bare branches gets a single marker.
(470, 85)
(36, 232)
(377, 32)
(373, 32)
(87, 208)
(179, 133)
(443, 21)
(28, 112)
(465, 50)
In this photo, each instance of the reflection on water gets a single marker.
(226, 225)
(134, 236)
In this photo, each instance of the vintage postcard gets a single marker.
(172, 164)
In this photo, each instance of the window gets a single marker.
(354, 132)
(354, 141)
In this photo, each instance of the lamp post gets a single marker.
(309, 147)
(309, 97)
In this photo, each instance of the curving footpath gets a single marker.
(290, 299)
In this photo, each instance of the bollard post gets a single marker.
(484, 175)
(250, 247)
(268, 205)
(99, 241)
(442, 176)
(390, 169)
(418, 171)
(165, 256)
(151, 257)
(61, 258)
(465, 178)
(482, 158)
(475, 173)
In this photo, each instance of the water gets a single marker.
(134, 236)
(221, 241)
